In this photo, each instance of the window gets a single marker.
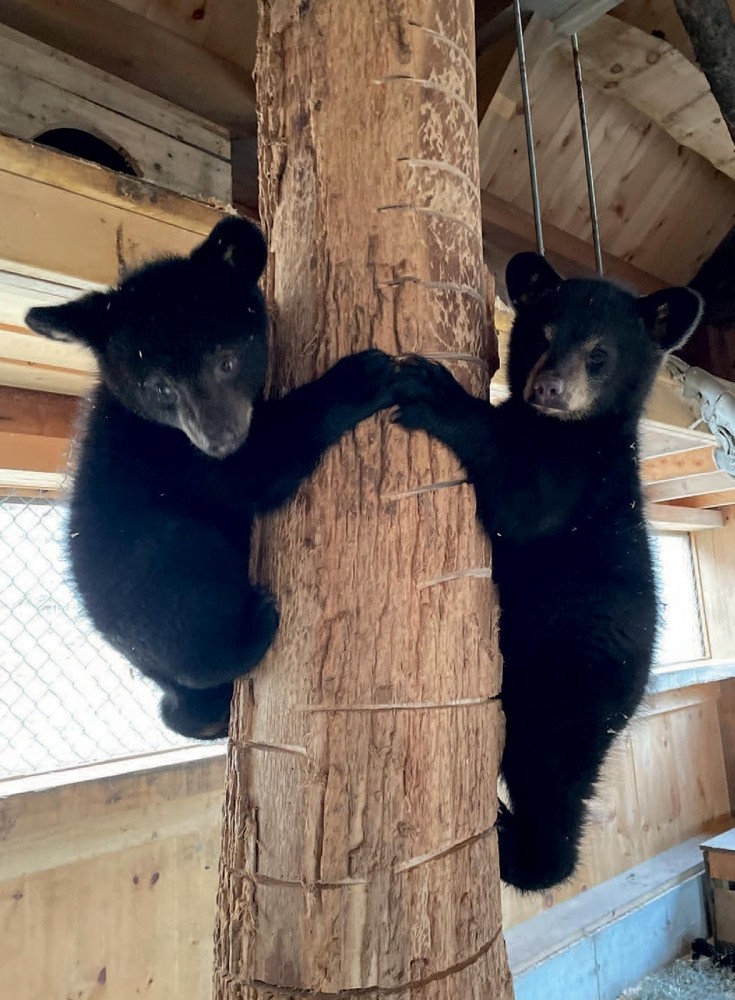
(680, 636)
(66, 697)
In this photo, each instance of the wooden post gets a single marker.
(359, 852)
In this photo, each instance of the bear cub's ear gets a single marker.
(528, 277)
(234, 243)
(84, 321)
(671, 315)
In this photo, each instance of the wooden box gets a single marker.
(43, 89)
(719, 860)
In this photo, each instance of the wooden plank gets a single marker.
(42, 62)
(723, 498)
(38, 413)
(666, 517)
(721, 863)
(44, 378)
(24, 159)
(18, 292)
(571, 254)
(715, 553)
(35, 433)
(655, 78)
(46, 196)
(21, 453)
(693, 462)
(657, 438)
(688, 486)
(657, 16)
(105, 35)
(130, 863)
(15, 481)
(727, 731)
(695, 785)
(21, 345)
(29, 107)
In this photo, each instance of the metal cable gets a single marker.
(529, 127)
(587, 155)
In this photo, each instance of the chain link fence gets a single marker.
(66, 697)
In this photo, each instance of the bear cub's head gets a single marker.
(582, 349)
(182, 341)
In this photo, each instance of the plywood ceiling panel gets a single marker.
(662, 207)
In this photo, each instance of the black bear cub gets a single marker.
(181, 450)
(556, 479)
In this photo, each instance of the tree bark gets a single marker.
(711, 30)
(359, 851)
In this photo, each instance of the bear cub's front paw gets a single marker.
(425, 390)
(366, 378)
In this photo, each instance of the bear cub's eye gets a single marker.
(227, 364)
(161, 389)
(597, 358)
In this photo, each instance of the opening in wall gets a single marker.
(681, 636)
(66, 697)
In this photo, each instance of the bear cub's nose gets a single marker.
(548, 390)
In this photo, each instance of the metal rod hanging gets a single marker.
(529, 128)
(587, 155)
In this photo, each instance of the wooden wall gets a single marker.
(665, 783)
(107, 885)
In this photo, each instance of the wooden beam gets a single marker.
(688, 486)
(693, 462)
(667, 517)
(116, 220)
(104, 34)
(656, 79)
(40, 414)
(35, 432)
(723, 498)
(512, 229)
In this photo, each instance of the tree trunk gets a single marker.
(359, 851)
(711, 30)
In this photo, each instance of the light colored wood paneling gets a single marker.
(689, 486)
(225, 27)
(683, 463)
(650, 190)
(143, 52)
(665, 517)
(659, 16)
(107, 887)
(664, 782)
(43, 89)
(35, 431)
(47, 196)
(44, 62)
(72, 854)
(653, 77)
(716, 560)
(723, 498)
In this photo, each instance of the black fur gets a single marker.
(181, 452)
(556, 479)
